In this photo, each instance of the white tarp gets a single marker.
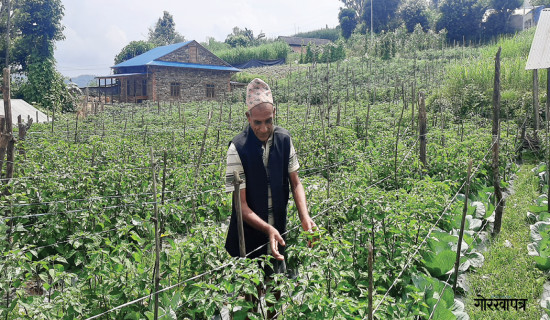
(539, 55)
(21, 107)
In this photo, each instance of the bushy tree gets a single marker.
(134, 48)
(357, 5)
(35, 27)
(384, 14)
(243, 38)
(414, 12)
(461, 18)
(348, 21)
(164, 32)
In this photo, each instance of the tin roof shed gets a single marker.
(539, 55)
(21, 108)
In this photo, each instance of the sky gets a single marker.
(97, 30)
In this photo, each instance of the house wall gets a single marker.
(203, 55)
(192, 83)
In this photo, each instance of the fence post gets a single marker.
(237, 201)
(8, 126)
(535, 101)
(157, 238)
(464, 212)
(371, 282)
(198, 161)
(422, 128)
(496, 136)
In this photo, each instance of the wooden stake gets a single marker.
(461, 234)
(8, 126)
(496, 133)
(157, 237)
(237, 201)
(422, 129)
(535, 101)
(76, 130)
(371, 280)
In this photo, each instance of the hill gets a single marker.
(82, 80)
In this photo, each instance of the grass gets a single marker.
(508, 271)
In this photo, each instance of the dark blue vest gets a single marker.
(249, 148)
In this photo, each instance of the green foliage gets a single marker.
(36, 26)
(498, 22)
(461, 18)
(164, 32)
(243, 38)
(133, 49)
(328, 53)
(215, 46)
(413, 13)
(471, 80)
(348, 21)
(268, 51)
(44, 86)
(384, 15)
(331, 34)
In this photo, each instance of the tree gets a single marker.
(357, 5)
(498, 21)
(164, 32)
(348, 21)
(461, 18)
(35, 29)
(243, 38)
(384, 14)
(134, 48)
(414, 12)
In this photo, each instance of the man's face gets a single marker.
(260, 119)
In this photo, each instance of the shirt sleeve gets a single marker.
(233, 163)
(293, 164)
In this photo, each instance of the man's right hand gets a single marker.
(274, 240)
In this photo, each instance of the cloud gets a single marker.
(96, 30)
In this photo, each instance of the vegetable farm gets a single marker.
(78, 220)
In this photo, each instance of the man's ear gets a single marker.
(247, 114)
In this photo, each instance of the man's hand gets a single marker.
(309, 226)
(274, 240)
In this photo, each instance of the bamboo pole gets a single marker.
(461, 234)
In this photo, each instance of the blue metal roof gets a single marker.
(192, 65)
(151, 55)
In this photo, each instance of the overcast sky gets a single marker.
(96, 30)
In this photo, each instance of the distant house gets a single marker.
(183, 71)
(525, 17)
(299, 45)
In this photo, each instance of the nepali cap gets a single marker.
(257, 92)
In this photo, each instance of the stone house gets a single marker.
(183, 71)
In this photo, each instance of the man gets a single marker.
(265, 158)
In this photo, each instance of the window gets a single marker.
(144, 87)
(175, 89)
(193, 54)
(210, 91)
